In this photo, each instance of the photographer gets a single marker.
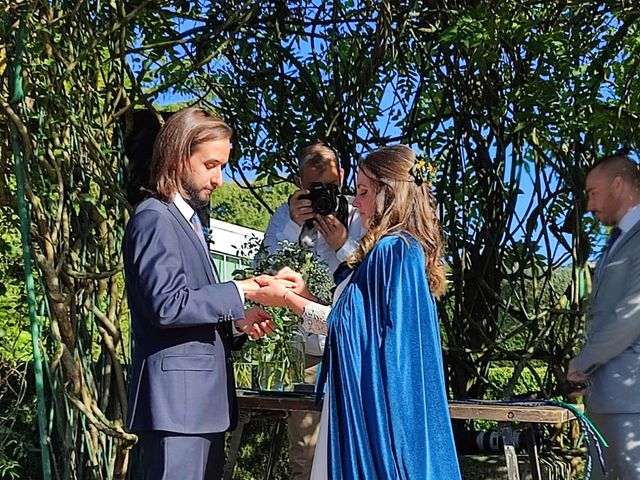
(332, 234)
(319, 217)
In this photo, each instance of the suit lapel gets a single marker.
(626, 238)
(192, 235)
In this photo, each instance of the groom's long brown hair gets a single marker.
(179, 135)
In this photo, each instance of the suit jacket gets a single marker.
(182, 376)
(611, 353)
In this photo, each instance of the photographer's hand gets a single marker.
(332, 229)
(300, 209)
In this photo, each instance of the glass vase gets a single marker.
(282, 368)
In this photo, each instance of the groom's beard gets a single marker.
(195, 196)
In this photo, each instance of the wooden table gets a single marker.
(506, 415)
(251, 405)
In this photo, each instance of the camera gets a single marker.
(325, 199)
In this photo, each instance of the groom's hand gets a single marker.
(256, 323)
(247, 285)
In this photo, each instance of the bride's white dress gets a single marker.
(314, 320)
(321, 455)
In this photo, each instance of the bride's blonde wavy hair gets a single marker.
(403, 205)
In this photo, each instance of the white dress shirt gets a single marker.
(281, 228)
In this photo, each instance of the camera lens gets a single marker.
(324, 198)
(325, 204)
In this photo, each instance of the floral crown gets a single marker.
(423, 171)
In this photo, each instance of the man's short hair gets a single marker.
(318, 156)
(619, 165)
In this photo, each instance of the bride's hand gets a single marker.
(271, 291)
(296, 279)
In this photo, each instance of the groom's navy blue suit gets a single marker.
(182, 377)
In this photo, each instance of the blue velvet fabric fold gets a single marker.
(388, 414)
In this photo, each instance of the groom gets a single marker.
(182, 395)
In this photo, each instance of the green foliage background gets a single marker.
(234, 204)
(18, 427)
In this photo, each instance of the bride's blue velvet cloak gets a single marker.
(388, 415)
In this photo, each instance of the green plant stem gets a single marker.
(17, 96)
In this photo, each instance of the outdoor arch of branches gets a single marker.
(512, 101)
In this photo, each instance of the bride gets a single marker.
(385, 413)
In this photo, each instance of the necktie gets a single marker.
(197, 226)
(615, 234)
